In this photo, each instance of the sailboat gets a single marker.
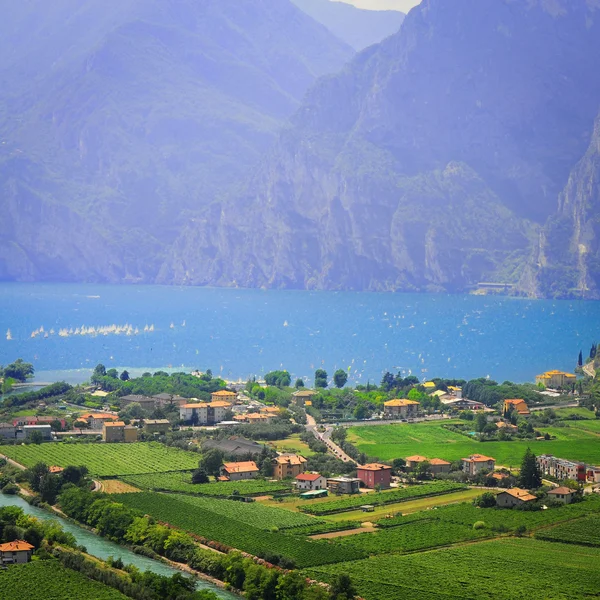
(172, 326)
(9, 335)
(183, 324)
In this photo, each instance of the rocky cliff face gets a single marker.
(428, 163)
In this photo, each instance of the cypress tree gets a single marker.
(530, 476)
(580, 360)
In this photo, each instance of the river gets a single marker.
(102, 548)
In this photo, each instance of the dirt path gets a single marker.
(364, 528)
(10, 461)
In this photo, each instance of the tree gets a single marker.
(480, 422)
(486, 500)
(211, 462)
(423, 470)
(199, 476)
(580, 359)
(113, 373)
(340, 378)
(387, 382)
(299, 383)
(278, 379)
(124, 376)
(99, 371)
(342, 588)
(530, 476)
(72, 474)
(36, 437)
(320, 378)
(35, 475)
(18, 370)
(291, 586)
(338, 435)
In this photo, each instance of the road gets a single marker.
(589, 370)
(325, 437)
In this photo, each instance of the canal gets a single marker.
(101, 548)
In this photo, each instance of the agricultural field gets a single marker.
(432, 440)
(106, 460)
(382, 498)
(502, 569)
(49, 580)
(181, 512)
(585, 532)
(181, 482)
(292, 444)
(418, 535)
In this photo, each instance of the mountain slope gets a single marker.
(133, 119)
(357, 27)
(428, 163)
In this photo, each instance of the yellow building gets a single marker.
(119, 432)
(556, 379)
(400, 409)
(223, 395)
(288, 465)
(429, 385)
(517, 404)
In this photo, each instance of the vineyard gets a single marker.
(502, 569)
(418, 535)
(584, 531)
(382, 498)
(105, 460)
(183, 512)
(181, 482)
(49, 580)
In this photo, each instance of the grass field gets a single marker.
(292, 444)
(503, 569)
(116, 486)
(430, 439)
(106, 460)
(181, 482)
(49, 580)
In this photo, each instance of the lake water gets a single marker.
(102, 548)
(240, 333)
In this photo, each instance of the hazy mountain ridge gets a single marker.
(396, 173)
(357, 27)
(136, 119)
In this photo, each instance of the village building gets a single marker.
(224, 396)
(146, 402)
(288, 465)
(301, 396)
(514, 497)
(17, 552)
(559, 468)
(593, 474)
(400, 409)
(8, 431)
(27, 431)
(32, 420)
(204, 413)
(453, 403)
(274, 411)
(97, 420)
(343, 485)
(517, 405)
(562, 494)
(164, 399)
(477, 463)
(117, 431)
(437, 466)
(375, 474)
(429, 386)
(556, 379)
(237, 471)
(413, 461)
(257, 418)
(156, 426)
(455, 391)
(234, 446)
(311, 482)
(55, 469)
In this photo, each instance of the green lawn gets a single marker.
(106, 460)
(49, 580)
(502, 569)
(430, 439)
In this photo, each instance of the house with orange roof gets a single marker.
(97, 420)
(562, 494)
(288, 465)
(375, 474)
(310, 482)
(477, 463)
(400, 409)
(17, 552)
(439, 466)
(514, 497)
(413, 461)
(517, 404)
(556, 379)
(55, 469)
(237, 471)
(204, 413)
(117, 431)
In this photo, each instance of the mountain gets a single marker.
(430, 162)
(357, 27)
(118, 126)
(567, 261)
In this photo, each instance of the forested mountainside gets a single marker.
(118, 125)
(431, 162)
(357, 27)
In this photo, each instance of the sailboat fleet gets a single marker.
(93, 331)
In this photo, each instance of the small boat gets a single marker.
(9, 335)
(285, 323)
(183, 324)
(172, 326)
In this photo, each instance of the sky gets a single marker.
(403, 5)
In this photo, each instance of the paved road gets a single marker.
(325, 437)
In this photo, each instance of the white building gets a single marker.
(310, 482)
(204, 413)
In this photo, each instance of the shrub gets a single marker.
(479, 525)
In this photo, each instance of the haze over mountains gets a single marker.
(460, 149)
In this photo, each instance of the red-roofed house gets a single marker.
(375, 474)
(562, 494)
(439, 466)
(311, 481)
(235, 471)
(413, 461)
(477, 463)
(16, 552)
(514, 497)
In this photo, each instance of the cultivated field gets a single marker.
(181, 482)
(585, 532)
(49, 580)
(576, 442)
(105, 460)
(503, 569)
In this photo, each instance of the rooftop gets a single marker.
(561, 490)
(520, 494)
(479, 458)
(398, 402)
(248, 466)
(439, 461)
(290, 459)
(224, 393)
(115, 424)
(416, 458)
(374, 467)
(16, 546)
(308, 476)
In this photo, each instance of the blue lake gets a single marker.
(239, 333)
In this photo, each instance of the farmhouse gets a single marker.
(400, 409)
(514, 497)
(562, 494)
(413, 461)
(17, 552)
(236, 471)
(310, 482)
(556, 379)
(375, 474)
(343, 485)
(477, 463)
(516, 404)
(288, 465)
(439, 466)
